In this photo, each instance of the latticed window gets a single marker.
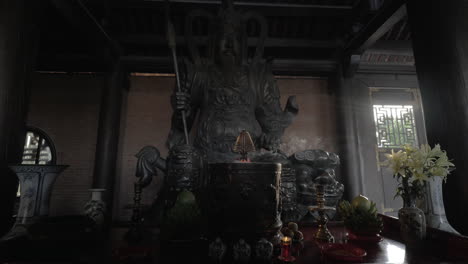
(395, 125)
(38, 148)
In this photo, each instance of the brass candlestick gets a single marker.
(323, 234)
(135, 234)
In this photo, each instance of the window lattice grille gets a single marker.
(36, 150)
(395, 125)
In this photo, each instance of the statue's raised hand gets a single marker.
(181, 102)
(270, 142)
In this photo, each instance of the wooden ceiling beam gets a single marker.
(388, 15)
(267, 9)
(374, 5)
(85, 63)
(255, 3)
(280, 66)
(149, 40)
(79, 16)
(397, 47)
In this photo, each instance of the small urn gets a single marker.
(241, 252)
(263, 250)
(95, 208)
(217, 250)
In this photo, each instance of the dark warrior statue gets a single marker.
(222, 94)
(229, 93)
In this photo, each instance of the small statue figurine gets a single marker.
(263, 250)
(241, 252)
(216, 250)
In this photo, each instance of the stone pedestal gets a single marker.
(36, 182)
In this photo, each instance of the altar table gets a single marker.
(440, 247)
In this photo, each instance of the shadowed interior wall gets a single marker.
(147, 122)
(66, 107)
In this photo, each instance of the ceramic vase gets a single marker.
(36, 183)
(434, 208)
(412, 224)
(95, 209)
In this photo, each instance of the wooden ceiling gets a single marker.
(304, 36)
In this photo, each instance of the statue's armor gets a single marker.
(245, 98)
(228, 107)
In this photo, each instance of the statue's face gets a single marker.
(229, 48)
(229, 39)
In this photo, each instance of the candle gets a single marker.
(286, 249)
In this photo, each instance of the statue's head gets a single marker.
(228, 35)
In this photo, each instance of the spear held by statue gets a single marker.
(171, 40)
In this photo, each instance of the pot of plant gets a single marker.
(361, 219)
(181, 230)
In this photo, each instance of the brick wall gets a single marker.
(66, 107)
(315, 125)
(146, 122)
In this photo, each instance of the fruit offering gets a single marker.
(183, 220)
(360, 216)
(292, 230)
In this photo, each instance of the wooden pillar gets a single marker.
(440, 43)
(17, 39)
(108, 134)
(347, 138)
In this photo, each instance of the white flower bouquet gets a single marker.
(414, 166)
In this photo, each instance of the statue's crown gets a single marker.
(229, 21)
